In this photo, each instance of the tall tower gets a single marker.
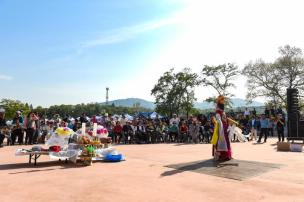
(107, 95)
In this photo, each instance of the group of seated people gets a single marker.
(160, 131)
(142, 130)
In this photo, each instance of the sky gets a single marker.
(69, 51)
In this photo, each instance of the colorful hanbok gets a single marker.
(221, 148)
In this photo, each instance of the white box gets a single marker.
(296, 147)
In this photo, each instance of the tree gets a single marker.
(40, 111)
(174, 92)
(291, 66)
(270, 80)
(12, 106)
(264, 80)
(164, 93)
(187, 81)
(220, 78)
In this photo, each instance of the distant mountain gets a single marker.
(236, 102)
(129, 102)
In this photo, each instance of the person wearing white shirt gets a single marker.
(247, 113)
(123, 120)
(174, 119)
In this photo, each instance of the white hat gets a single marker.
(2, 110)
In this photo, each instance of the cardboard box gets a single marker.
(283, 146)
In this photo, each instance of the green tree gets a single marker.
(264, 80)
(12, 106)
(174, 92)
(270, 80)
(220, 78)
(291, 66)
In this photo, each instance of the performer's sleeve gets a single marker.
(215, 134)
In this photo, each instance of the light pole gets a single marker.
(107, 95)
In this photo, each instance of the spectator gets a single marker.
(254, 124)
(75, 125)
(30, 128)
(141, 132)
(157, 121)
(123, 120)
(280, 127)
(83, 118)
(206, 130)
(2, 125)
(117, 132)
(70, 124)
(184, 132)
(94, 120)
(37, 129)
(190, 121)
(44, 132)
(264, 128)
(164, 130)
(173, 132)
(127, 132)
(194, 132)
(247, 113)
(17, 130)
(174, 119)
(280, 111)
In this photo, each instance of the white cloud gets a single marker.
(5, 77)
(125, 33)
(119, 35)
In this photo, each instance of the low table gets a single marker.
(34, 155)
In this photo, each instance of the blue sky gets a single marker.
(68, 51)
(49, 46)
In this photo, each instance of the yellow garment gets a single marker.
(63, 131)
(215, 135)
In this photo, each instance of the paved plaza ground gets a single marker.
(160, 172)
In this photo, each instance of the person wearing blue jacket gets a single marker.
(254, 125)
(264, 122)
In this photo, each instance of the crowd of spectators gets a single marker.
(144, 130)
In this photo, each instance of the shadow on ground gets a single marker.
(40, 167)
(233, 169)
(190, 167)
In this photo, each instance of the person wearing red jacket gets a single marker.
(117, 132)
(183, 132)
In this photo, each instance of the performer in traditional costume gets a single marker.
(220, 141)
